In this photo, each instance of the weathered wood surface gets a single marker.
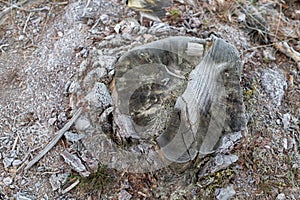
(203, 110)
(175, 94)
(148, 80)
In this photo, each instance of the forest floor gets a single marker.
(46, 46)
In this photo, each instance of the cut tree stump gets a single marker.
(181, 94)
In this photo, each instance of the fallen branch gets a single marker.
(71, 187)
(288, 51)
(59, 134)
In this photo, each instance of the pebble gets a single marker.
(274, 84)
(7, 181)
(60, 34)
(21, 37)
(124, 195)
(225, 160)
(280, 196)
(286, 120)
(94, 75)
(24, 196)
(17, 162)
(57, 180)
(73, 137)
(241, 17)
(51, 121)
(99, 96)
(104, 19)
(225, 193)
(82, 124)
(7, 162)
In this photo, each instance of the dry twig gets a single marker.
(55, 139)
(288, 51)
(70, 187)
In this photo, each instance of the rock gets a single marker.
(74, 87)
(241, 17)
(286, 120)
(274, 84)
(104, 18)
(225, 193)
(124, 195)
(58, 180)
(7, 161)
(95, 75)
(75, 163)
(51, 121)
(229, 140)
(83, 66)
(7, 181)
(106, 62)
(73, 137)
(280, 196)
(223, 161)
(269, 54)
(17, 162)
(82, 123)
(99, 96)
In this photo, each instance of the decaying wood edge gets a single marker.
(59, 134)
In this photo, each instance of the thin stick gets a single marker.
(59, 134)
(70, 187)
(27, 20)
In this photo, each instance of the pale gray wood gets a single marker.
(54, 141)
(205, 93)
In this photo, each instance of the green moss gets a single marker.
(210, 183)
(174, 13)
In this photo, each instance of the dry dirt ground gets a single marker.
(48, 48)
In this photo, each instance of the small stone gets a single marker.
(58, 180)
(104, 19)
(274, 84)
(7, 181)
(99, 96)
(286, 120)
(225, 193)
(74, 87)
(127, 36)
(73, 137)
(82, 124)
(269, 54)
(241, 17)
(51, 121)
(106, 62)
(60, 34)
(62, 117)
(83, 66)
(21, 37)
(90, 22)
(75, 163)
(124, 195)
(7, 162)
(225, 160)
(285, 143)
(280, 196)
(17, 162)
(94, 76)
